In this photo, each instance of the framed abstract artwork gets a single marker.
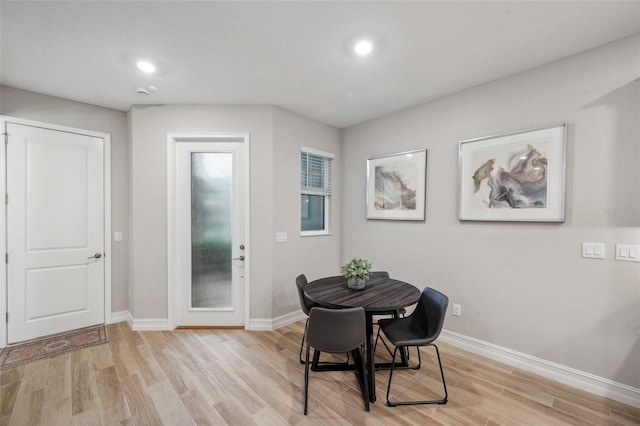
(514, 177)
(396, 186)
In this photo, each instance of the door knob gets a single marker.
(239, 258)
(95, 256)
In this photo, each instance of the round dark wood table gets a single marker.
(380, 296)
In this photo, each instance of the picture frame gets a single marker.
(396, 186)
(514, 177)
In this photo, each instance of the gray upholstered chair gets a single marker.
(338, 331)
(378, 274)
(306, 305)
(421, 328)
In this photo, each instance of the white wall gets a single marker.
(34, 106)
(523, 286)
(139, 193)
(316, 256)
(276, 136)
(149, 128)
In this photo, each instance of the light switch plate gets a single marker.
(281, 237)
(117, 236)
(593, 250)
(628, 252)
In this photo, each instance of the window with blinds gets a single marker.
(315, 191)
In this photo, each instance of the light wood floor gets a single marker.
(239, 377)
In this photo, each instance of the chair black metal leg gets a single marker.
(435, 401)
(304, 333)
(375, 345)
(444, 383)
(306, 380)
(396, 314)
(404, 357)
(393, 364)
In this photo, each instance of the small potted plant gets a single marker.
(357, 272)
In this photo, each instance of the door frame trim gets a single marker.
(172, 140)
(106, 137)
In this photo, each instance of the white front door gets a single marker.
(210, 232)
(55, 231)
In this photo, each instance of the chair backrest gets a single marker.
(378, 274)
(305, 304)
(336, 330)
(428, 317)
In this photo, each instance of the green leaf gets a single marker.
(356, 269)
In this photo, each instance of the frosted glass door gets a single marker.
(211, 239)
(209, 254)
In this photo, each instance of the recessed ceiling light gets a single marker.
(363, 47)
(146, 66)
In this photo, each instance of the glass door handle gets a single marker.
(239, 258)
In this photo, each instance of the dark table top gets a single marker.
(379, 295)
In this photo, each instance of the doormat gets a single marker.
(52, 346)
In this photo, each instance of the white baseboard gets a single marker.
(150, 324)
(120, 317)
(560, 373)
(256, 324)
(266, 324)
(139, 324)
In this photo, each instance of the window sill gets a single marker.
(315, 233)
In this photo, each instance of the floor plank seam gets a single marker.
(204, 376)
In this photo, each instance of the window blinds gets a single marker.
(315, 172)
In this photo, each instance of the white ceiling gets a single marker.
(295, 55)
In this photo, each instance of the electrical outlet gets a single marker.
(457, 310)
